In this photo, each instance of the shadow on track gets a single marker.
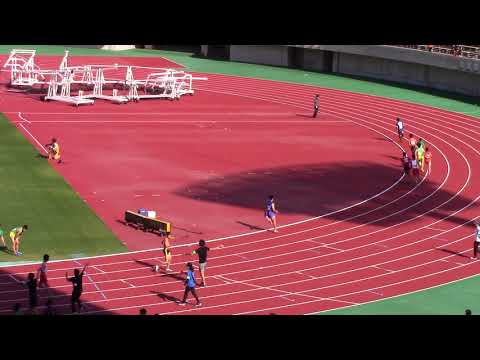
(315, 190)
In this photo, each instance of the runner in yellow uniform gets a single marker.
(420, 155)
(15, 235)
(54, 150)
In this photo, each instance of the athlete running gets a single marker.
(270, 213)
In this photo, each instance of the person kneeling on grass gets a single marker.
(54, 150)
(190, 284)
(15, 235)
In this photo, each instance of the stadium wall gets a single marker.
(381, 62)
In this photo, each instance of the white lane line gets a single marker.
(271, 289)
(126, 282)
(375, 292)
(452, 262)
(34, 138)
(21, 117)
(219, 277)
(435, 229)
(333, 248)
(310, 276)
(99, 270)
(382, 268)
(15, 279)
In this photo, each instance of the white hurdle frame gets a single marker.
(166, 83)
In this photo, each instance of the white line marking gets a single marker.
(435, 229)
(34, 138)
(15, 279)
(219, 277)
(381, 268)
(126, 282)
(452, 262)
(374, 292)
(310, 276)
(99, 270)
(333, 248)
(21, 117)
(272, 289)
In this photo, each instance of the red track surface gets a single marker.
(407, 238)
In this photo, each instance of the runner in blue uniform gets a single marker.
(270, 213)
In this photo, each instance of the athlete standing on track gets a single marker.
(31, 284)
(42, 272)
(77, 282)
(202, 252)
(270, 213)
(190, 284)
(15, 235)
(167, 251)
(476, 242)
(400, 129)
(315, 106)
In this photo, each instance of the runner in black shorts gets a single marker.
(77, 282)
(32, 292)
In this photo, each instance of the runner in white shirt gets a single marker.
(476, 242)
(400, 129)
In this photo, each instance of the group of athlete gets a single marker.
(420, 161)
(202, 253)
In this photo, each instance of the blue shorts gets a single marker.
(270, 214)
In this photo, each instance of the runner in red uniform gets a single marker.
(428, 160)
(42, 272)
(413, 145)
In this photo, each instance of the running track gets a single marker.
(411, 240)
